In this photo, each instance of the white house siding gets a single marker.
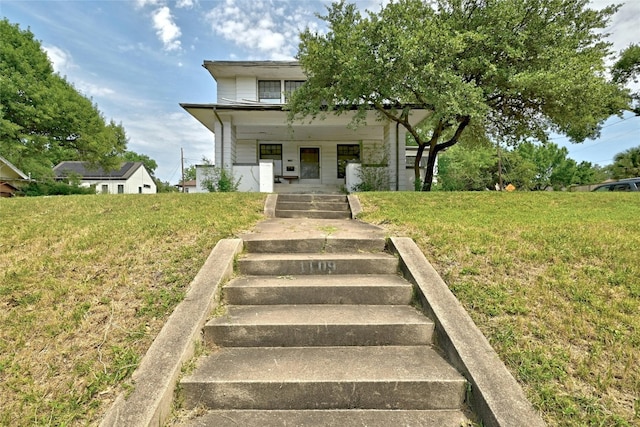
(140, 181)
(246, 89)
(247, 151)
(226, 90)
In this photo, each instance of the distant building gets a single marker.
(187, 186)
(10, 178)
(131, 178)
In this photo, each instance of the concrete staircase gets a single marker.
(319, 332)
(325, 206)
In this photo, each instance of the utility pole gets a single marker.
(182, 166)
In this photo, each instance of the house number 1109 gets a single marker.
(318, 267)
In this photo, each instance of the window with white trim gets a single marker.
(270, 91)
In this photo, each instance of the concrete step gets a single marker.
(314, 235)
(261, 243)
(331, 418)
(325, 263)
(329, 289)
(391, 377)
(313, 214)
(312, 206)
(318, 325)
(312, 198)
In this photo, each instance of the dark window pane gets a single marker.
(347, 153)
(269, 89)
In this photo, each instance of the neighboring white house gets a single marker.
(187, 186)
(131, 178)
(10, 176)
(264, 151)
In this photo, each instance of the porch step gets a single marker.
(371, 377)
(332, 418)
(329, 289)
(319, 206)
(317, 263)
(318, 325)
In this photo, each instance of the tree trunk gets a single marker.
(416, 167)
(431, 163)
(435, 148)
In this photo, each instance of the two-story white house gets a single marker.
(264, 151)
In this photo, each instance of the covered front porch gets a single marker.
(268, 154)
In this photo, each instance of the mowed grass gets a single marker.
(553, 281)
(86, 283)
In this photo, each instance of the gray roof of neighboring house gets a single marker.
(86, 170)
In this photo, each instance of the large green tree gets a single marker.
(515, 69)
(43, 118)
(626, 164)
(467, 168)
(627, 70)
(551, 166)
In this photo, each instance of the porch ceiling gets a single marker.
(270, 122)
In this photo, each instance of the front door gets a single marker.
(310, 165)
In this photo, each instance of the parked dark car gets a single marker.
(629, 184)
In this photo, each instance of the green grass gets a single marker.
(553, 281)
(86, 284)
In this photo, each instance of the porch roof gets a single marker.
(272, 119)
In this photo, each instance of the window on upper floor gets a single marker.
(271, 91)
(290, 86)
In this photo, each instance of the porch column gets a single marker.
(225, 143)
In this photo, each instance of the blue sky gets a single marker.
(138, 59)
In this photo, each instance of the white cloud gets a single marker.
(163, 134)
(267, 28)
(93, 90)
(185, 4)
(623, 28)
(142, 3)
(60, 59)
(166, 28)
(63, 64)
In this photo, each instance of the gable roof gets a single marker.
(87, 171)
(15, 172)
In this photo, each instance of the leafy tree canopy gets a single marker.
(627, 69)
(511, 69)
(148, 162)
(43, 118)
(532, 167)
(190, 173)
(626, 164)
